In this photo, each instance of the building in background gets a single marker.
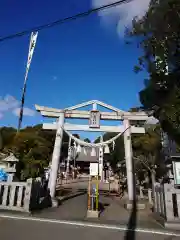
(84, 158)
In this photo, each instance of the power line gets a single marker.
(64, 20)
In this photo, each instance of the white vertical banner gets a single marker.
(32, 45)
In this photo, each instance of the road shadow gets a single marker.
(132, 223)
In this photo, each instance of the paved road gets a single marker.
(72, 209)
(36, 230)
(113, 212)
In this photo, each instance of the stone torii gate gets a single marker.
(94, 116)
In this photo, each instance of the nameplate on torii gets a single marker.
(94, 119)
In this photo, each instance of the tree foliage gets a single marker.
(146, 147)
(117, 154)
(158, 35)
(33, 146)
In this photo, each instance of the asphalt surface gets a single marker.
(36, 230)
(112, 212)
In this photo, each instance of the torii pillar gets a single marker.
(55, 157)
(129, 161)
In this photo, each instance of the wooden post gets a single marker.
(56, 156)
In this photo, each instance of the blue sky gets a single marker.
(72, 63)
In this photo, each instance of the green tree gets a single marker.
(33, 153)
(33, 146)
(147, 153)
(6, 134)
(158, 35)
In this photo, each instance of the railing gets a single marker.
(15, 195)
(167, 201)
(172, 202)
(159, 200)
(24, 196)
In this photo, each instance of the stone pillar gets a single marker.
(10, 177)
(169, 211)
(56, 156)
(27, 195)
(129, 160)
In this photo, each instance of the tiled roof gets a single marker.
(10, 158)
(82, 157)
(2, 155)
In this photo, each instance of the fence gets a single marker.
(23, 196)
(15, 195)
(159, 200)
(167, 201)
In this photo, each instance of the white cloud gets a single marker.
(8, 103)
(11, 104)
(26, 112)
(123, 14)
